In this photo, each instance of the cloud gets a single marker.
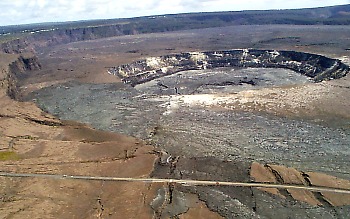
(34, 11)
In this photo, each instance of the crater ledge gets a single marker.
(315, 66)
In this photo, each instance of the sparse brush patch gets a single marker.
(8, 155)
(29, 137)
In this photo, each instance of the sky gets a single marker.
(36, 11)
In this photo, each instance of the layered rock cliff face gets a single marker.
(315, 66)
(53, 37)
(15, 70)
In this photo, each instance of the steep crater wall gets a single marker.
(20, 38)
(14, 71)
(52, 37)
(317, 67)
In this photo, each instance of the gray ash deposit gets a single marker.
(200, 131)
(161, 110)
(222, 80)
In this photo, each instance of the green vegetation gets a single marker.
(8, 155)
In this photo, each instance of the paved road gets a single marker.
(178, 181)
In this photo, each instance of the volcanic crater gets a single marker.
(244, 115)
(219, 107)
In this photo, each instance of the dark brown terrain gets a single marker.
(209, 136)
